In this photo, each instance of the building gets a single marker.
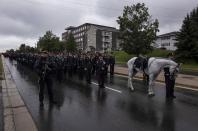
(166, 41)
(92, 37)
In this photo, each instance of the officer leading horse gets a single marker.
(150, 67)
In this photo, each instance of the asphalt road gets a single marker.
(83, 107)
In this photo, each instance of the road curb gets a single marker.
(16, 115)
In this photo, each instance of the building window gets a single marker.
(165, 44)
(165, 38)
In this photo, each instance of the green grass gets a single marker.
(159, 53)
(190, 67)
(122, 57)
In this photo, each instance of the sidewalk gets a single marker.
(182, 80)
(16, 116)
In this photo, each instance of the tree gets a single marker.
(187, 45)
(137, 29)
(26, 49)
(49, 42)
(22, 48)
(71, 45)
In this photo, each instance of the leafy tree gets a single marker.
(187, 45)
(49, 42)
(22, 48)
(71, 45)
(26, 49)
(137, 29)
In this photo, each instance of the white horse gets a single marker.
(155, 65)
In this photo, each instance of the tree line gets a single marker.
(51, 43)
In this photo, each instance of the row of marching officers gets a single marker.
(49, 64)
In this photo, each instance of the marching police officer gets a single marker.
(100, 71)
(44, 72)
(88, 67)
(70, 63)
(80, 66)
(106, 59)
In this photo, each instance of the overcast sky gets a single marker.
(23, 21)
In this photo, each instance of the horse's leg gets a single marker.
(132, 73)
(150, 88)
(130, 84)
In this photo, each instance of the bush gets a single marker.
(159, 53)
(122, 57)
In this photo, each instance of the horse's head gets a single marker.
(174, 70)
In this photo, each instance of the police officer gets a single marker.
(80, 66)
(106, 59)
(111, 63)
(93, 62)
(70, 64)
(100, 71)
(44, 72)
(88, 68)
(170, 83)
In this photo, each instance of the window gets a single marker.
(165, 38)
(165, 44)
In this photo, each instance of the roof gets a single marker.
(99, 26)
(70, 28)
(168, 34)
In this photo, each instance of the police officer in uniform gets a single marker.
(100, 71)
(80, 66)
(44, 72)
(70, 65)
(170, 83)
(111, 63)
(88, 67)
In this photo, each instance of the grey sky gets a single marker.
(23, 21)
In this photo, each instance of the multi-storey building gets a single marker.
(93, 37)
(166, 41)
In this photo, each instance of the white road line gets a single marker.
(108, 88)
(161, 83)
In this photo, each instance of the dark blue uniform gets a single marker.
(44, 72)
(88, 68)
(100, 72)
(170, 83)
(112, 63)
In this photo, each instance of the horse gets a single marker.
(152, 70)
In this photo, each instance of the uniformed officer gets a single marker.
(44, 72)
(70, 65)
(60, 67)
(106, 59)
(111, 63)
(170, 83)
(88, 68)
(100, 71)
(94, 59)
(81, 66)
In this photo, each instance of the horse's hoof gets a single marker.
(131, 90)
(151, 94)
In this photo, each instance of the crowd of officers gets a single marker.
(85, 65)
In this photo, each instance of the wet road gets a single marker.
(85, 107)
